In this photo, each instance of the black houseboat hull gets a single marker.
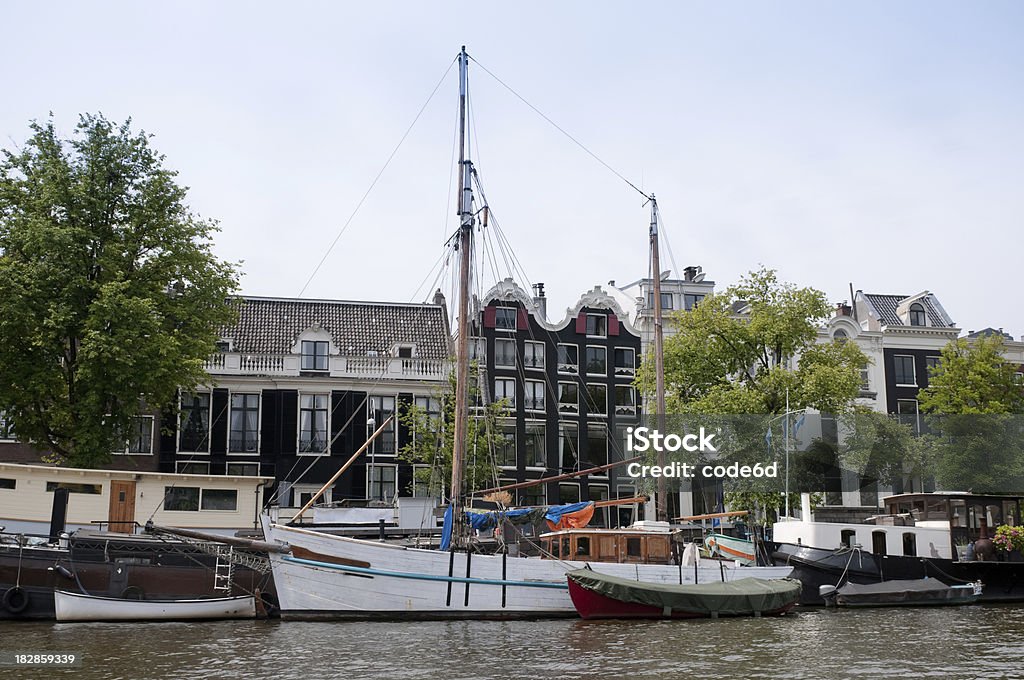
(1003, 580)
(127, 568)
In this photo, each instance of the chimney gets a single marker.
(539, 301)
(439, 298)
(843, 309)
(690, 273)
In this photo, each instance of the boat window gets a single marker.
(1010, 515)
(909, 544)
(936, 510)
(878, 543)
(994, 515)
(847, 536)
(565, 548)
(583, 546)
(8, 483)
(633, 546)
(958, 512)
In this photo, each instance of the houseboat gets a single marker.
(935, 535)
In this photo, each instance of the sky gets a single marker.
(873, 143)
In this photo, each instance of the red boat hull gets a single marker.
(591, 605)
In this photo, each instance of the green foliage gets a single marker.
(730, 354)
(973, 377)
(433, 441)
(765, 507)
(878, 446)
(110, 296)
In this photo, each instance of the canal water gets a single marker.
(984, 641)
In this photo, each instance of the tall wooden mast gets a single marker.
(661, 498)
(465, 210)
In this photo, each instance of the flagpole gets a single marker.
(787, 452)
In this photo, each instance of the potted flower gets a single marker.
(1011, 540)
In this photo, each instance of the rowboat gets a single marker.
(600, 596)
(731, 548)
(78, 607)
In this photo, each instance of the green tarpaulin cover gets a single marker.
(733, 598)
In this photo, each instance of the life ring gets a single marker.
(15, 600)
(133, 593)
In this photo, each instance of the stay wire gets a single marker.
(560, 129)
(374, 182)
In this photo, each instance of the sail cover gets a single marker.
(732, 598)
(570, 516)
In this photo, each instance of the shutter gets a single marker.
(581, 324)
(489, 314)
(521, 321)
(219, 425)
(289, 431)
(613, 324)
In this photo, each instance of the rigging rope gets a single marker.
(557, 127)
(374, 182)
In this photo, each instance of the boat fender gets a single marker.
(15, 600)
(133, 593)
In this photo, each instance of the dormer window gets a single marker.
(917, 316)
(505, 318)
(840, 335)
(314, 355)
(597, 325)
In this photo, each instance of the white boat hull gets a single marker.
(77, 607)
(329, 576)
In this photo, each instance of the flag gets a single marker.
(799, 422)
(768, 437)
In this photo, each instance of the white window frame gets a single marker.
(567, 368)
(209, 425)
(515, 319)
(314, 355)
(327, 425)
(299, 489)
(126, 451)
(179, 465)
(509, 428)
(602, 413)
(534, 355)
(537, 427)
(913, 370)
(586, 360)
(625, 409)
(575, 410)
(630, 370)
(604, 320)
(504, 356)
(259, 421)
(369, 481)
(503, 393)
(531, 389)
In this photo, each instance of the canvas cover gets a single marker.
(732, 598)
(899, 592)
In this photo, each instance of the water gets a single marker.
(967, 642)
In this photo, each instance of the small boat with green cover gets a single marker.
(599, 596)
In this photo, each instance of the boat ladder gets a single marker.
(224, 569)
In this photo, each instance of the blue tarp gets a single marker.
(486, 520)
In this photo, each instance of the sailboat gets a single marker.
(319, 575)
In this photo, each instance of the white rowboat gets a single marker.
(77, 607)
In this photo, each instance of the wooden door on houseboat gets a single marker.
(122, 506)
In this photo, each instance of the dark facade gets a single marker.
(570, 392)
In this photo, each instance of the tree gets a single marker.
(975, 407)
(730, 363)
(433, 440)
(973, 377)
(729, 355)
(110, 296)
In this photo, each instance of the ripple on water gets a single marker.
(968, 642)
